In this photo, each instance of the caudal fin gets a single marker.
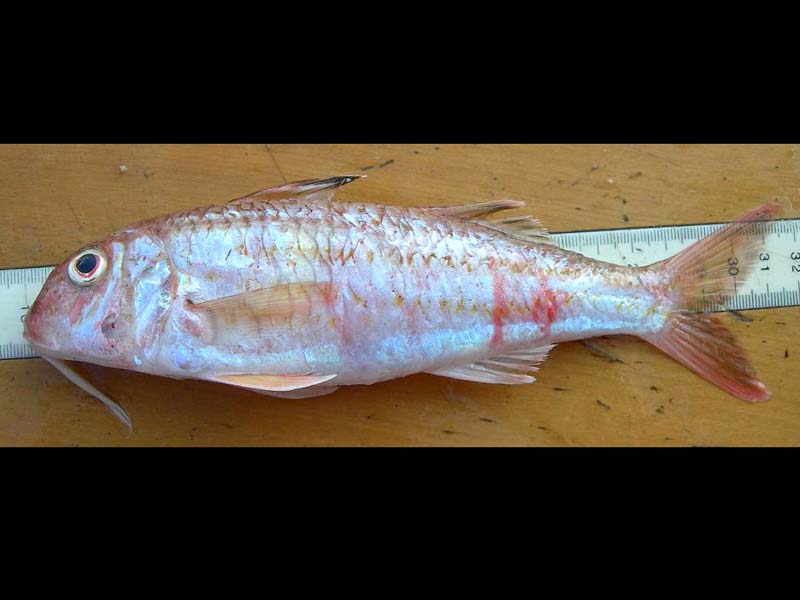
(704, 275)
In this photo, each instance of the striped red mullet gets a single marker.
(292, 293)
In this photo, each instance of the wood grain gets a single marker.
(57, 198)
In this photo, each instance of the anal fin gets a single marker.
(508, 369)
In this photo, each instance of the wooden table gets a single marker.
(57, 198)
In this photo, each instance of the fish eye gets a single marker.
(87, 267)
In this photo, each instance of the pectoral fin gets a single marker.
(251, 313)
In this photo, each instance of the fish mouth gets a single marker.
(41, 346)
(40, 337)
(34, 331)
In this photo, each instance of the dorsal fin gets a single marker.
(510, 369)
(468, 212)
(522, 228)
(309, 189)
(249, 313)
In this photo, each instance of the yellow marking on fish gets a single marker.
(356, 298)
(460, 306)
(370, 256)
(442, 304)
(398, 300)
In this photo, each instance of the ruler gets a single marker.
(773, 283)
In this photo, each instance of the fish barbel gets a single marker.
(292, 293)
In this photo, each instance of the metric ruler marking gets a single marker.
(773, 283)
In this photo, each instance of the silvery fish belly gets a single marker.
(292, 293)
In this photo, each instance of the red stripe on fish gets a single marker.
(545, 307)
(500, 307)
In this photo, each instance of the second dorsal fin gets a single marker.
(309, 189)
(522, 228)
(525, 229)
(469, 212)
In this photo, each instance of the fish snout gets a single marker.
(38, 327)
(34, 329)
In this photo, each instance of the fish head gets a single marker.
(106, 304)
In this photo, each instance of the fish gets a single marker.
(292, 293)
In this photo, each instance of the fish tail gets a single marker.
(704, 276)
